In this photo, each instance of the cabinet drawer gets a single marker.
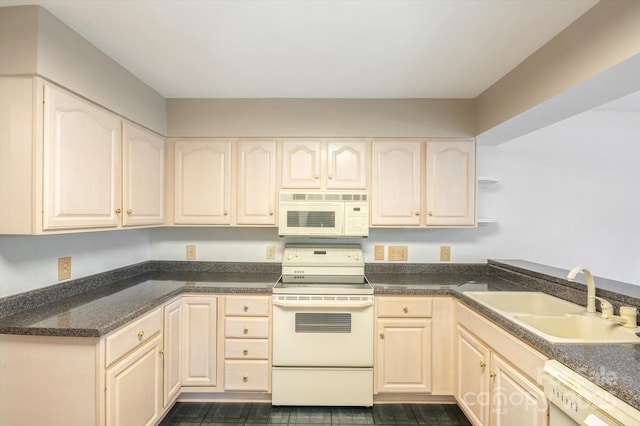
(404, 307)
(247, 306)
(246, 375)
(246, 349)
(250, 328)
(132, 335)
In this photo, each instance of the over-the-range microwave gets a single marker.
(324, 214)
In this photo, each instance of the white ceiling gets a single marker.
(317, 48)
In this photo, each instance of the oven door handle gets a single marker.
(332, 304)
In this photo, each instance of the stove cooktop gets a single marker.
(363, 287)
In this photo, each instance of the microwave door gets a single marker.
(311, 220)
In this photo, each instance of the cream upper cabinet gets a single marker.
(423, 183)
(202, 182)
(142, 176)
(81, 163)
(256, 182)
(346, 164)
(324, 164)
(450, 183)
(490, 389)
(395, 183)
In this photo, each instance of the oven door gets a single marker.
(322, 331)
(311, 219)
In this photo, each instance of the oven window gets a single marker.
(316, 322)
(313, 219)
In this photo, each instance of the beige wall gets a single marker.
(320, 117)
(33, 41)
(606, 35)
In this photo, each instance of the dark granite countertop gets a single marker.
(96, 309)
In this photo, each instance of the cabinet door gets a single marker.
(199, 341)
(172, 359)
(403, 362)
(515, 400)
(81, 163)
(134, 387)
(346, 165)
(395, 186)
(472, 390)
(301, 164)
(256, 182)
(202, 182)
(142, 176)
(450, 183)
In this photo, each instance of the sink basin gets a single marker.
(554, 319)
(578, 329)
(525, 302)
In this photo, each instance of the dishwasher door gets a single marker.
(574, 400)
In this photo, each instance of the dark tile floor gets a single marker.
(208, 414)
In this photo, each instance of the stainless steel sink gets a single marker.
(555, 319)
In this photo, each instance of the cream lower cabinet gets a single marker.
(134, 387)
(199, 341)
(407, 359)
(172, 353)
(490, 389)
(247, 366)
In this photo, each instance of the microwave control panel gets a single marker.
(356, 219)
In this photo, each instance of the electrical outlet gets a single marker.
(64, 268)
(191, 252)
(445, 253)
(378, 253)
(400, 253)
(271, 252)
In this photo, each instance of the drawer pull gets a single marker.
(406, 309)
(245, 351)
(140, 334)
(245, 330)
(482, 364)
(245, 308)
(245, 378)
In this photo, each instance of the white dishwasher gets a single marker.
(574, 400)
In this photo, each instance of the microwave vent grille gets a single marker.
(322, 196)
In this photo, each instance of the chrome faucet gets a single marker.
(591, 286)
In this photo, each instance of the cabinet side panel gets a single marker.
(32, 392)
(16, 155)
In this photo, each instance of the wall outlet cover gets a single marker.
(191, 252)
(64, 268)
(445, 253)
(378, 252)
(399, 253)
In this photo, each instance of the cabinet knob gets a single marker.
(118, 211)
(492, 374)
(226, 213)
(129, 212)
(430, 213)
(161, 352)
(382, 335)
(405, 309)
(317, 177)
(245, 378)
(245, 352)
(330, 176)
(246, 330)
(140, 334)
(482, 364)
(245, 308)
(417, 212)
(270, 212)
